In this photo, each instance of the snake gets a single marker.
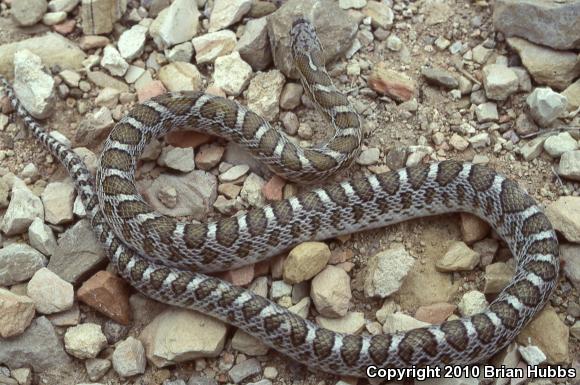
(168, 260)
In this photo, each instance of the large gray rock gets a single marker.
(551, 67)
(334, 26)
(546, 22)
(52, 48)
(38, 347)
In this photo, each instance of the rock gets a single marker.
(234, 173)
(473, 229)
(436, 313)
(34, 88)
(401, 322)
(392, 83)
(497, 276)
(243, 370)
(210, 46)
(564, 214)
(458, 142)
(58, 199)
(569, 166)
(369, 156)
(570, 255)
(132, 42)
(227, 12)
(280, 289)
(98, 16)
(533, 148)
(103, 80)
(556, 69)
(97, 368)
(252, 190)
(481, 54)
(305, 261)
(273, 190)
(394, 43)
(231, 73)
(335, 28)
(176, 158)
(302, 308)
(23, 208)
(129, 358)
(558, 144)
(472, 302)
(386, 271)
(437, 11)
(543, 22)
(22, 375)
(247, 344)
(175, 24)
(487, 112)
(195, 192)
(525, 125)
(439, 77)
(19, 262)
(254, 46)
(29, 12)
(108, 294)
(264, 93)
(209, 156)
(52, 48)
(114, 331)
(380, 13)
(480, 140)
(78, 252)
(180, 76)
(499, 81)
(572, 94)
(351, 323)
(23, 350)
(178, 335)
(550, 334)
(93, 125)
(532, 354)
(50, 293)
(69, 317)
(180, 53)
(458, 257)
(291, 95)
(113, 62)
(546, 106)
(16, 313)
(330, 292)
(84, 340)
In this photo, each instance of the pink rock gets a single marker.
(152, 89)
(186, 139)
(65, 27)
(340, 256)
(241, 276)
(435, 313)
(273, 189)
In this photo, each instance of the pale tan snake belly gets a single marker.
(164, 258)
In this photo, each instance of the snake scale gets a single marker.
(166, 259)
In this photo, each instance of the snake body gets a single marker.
(165, 259)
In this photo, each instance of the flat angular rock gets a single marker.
(108, 294)
(19, 262)
(546, 22)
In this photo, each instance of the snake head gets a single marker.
(303, 37)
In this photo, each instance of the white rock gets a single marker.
(210, 46)
(264, 93)
(132, 42)
(34, 88)
(231, 73)
(63, 5)
(178, 158)
(252, 190)
(351, 323)
(24, 207)
(19, 262)
(180, 76)
(227, 12)
(472, 302)
(84, 340)
(50, 293)
(386, 271)
(52, 18)
(16, 313)
(129, 358)
(113, 62)
(556, 145)
(546, 105)
(532, 355)
(569, 166)
(280, 289)
(175, 24)
(499, 81)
